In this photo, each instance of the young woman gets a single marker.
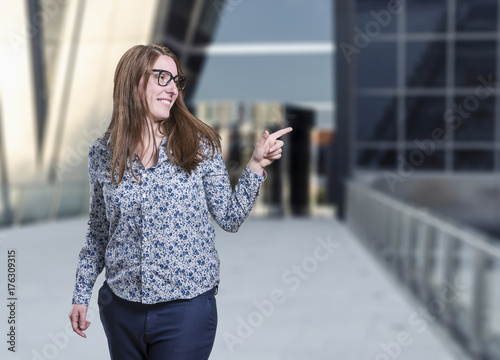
(156, 179)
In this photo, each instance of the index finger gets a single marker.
(281, 132)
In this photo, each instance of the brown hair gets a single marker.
(185, 133)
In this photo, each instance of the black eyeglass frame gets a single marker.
(176, 78)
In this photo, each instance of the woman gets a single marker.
(155, 176)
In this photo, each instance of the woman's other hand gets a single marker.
(78, 317)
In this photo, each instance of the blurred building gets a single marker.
(297, 184)
(418, 103)
(58, 60)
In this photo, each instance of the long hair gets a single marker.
(185, 133)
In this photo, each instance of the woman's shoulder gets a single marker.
(207, 147)
(100, 146)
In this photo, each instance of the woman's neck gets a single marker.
(152, 135)
(147, 150)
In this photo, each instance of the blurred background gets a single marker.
(395, 155)
(246, 73)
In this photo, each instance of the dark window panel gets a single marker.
(377, 65)
(376, 118)
(376, 159)
(424, 158)
(195, 63)
(195, 67)
(474, 59)
(473, 160)
(425, 63)
(322, 160)
(178, 20)
(426, 15)
(176, 50)
(375, 14)
(424, 114)
(477, 15)
(477, 119)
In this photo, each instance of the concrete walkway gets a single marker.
(294, 289)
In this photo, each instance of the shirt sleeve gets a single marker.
(91, 257)
(230, 208)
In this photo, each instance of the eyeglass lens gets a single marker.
(164, 78)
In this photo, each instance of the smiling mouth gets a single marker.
(166, 102)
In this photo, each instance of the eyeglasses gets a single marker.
(165, 77)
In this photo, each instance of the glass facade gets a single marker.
(418, 119)
(423, 68)
(425, 64)
(419, 130)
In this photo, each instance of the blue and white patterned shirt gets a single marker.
(155, 236)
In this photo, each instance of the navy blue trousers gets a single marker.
(174, 330)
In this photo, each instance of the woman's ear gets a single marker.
(141, 87)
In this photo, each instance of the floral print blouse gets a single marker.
(155, 235)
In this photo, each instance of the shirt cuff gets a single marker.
(247, 172)
(81, 295)
(251, 181)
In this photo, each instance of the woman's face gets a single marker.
(160, 99)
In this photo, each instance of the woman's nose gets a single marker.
(171, 88)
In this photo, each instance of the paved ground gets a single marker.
(291, 289)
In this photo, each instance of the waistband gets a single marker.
(106, 294)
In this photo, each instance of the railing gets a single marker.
(454, 270)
